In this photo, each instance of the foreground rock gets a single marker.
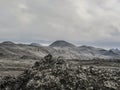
(56, 74)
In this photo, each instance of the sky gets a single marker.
(89, 22)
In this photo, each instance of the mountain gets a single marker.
(21, 51)
(115, 50)
(91, 51)
(67, 50)
(61, 43)
(99, 52)
(8, 42)
(10, 50)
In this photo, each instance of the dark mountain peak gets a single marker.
(61, 43)
(7, 42)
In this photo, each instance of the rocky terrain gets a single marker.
(34, 51)
(59, 74)
(24, 67)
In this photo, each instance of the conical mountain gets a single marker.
(62, 43)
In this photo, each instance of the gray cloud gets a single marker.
(90, 21)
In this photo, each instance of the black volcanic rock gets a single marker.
(61, 43)
(50, 74)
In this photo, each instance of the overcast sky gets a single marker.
(90, 22)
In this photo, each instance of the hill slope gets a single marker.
(9, 50)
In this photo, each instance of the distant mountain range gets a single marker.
(10, 50)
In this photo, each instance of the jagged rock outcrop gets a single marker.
(57, 74)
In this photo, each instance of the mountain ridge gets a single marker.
(10, 50)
